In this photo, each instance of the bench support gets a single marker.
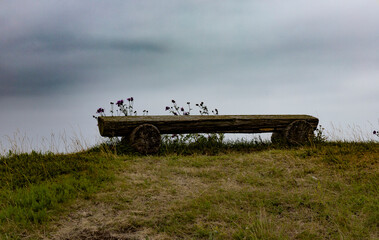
(146, 139)
(296, 133)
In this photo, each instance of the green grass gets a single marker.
(35, 187)
(203, 190)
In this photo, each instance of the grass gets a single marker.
(34, 187)
(204, 190)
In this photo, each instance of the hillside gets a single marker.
(328, 191)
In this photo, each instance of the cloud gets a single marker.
(40, 43)
(51, 63)
(56, 46)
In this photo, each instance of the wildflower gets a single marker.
(120, 102)
(186, 113)
(182, 109)
(188, 103)
(374, 132)
(167, 108)
(100, 110)
(129, 99)
(173, 101)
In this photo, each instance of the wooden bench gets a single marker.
(143, 132)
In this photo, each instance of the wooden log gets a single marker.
(124, 125)
(145, 138)
(298, 132)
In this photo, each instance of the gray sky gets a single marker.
(61, 60)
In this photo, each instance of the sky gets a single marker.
(61, 60)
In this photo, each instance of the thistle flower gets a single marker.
(375, 132)
(182, 109)
(173, 101)
(120, 102)
(100, 110)
(128, 99)
(167, 108)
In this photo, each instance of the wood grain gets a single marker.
(124, 125)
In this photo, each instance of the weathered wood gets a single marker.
(298, 132)
(124, 125)
(145, 138)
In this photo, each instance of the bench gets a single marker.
(143, 132)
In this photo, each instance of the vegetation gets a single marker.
(35, 187)
(196, 187)
(199, 190)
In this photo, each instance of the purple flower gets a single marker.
(167, 108)
(374, 132)
(186, 113)
(173, 101)
(129, 99)
(188, 103)
(182, 109)
(100, 110)
(120, 102)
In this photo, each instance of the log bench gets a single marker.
(143, 132)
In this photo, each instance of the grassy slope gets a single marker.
(324, 192)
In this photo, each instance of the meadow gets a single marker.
(208, 189)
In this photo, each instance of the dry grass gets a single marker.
(329, 192)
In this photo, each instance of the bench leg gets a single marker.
(297, 133)
(145, 139)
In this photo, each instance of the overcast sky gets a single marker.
(61, 60)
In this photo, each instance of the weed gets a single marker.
(215, 138)
(124, 107)
(319, 136)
